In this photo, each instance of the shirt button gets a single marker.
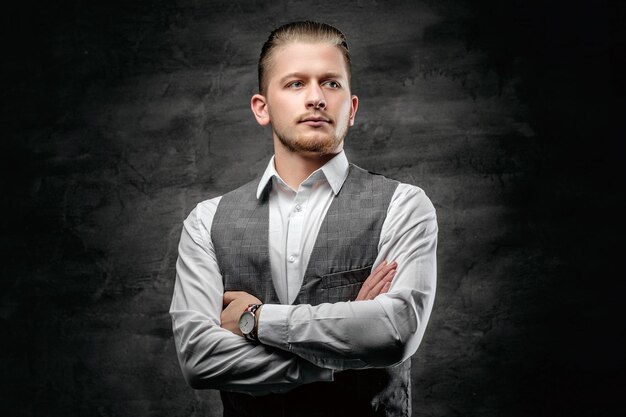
(292, 259)
(298, 207)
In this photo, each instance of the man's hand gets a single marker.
(235, 303)
(378, 282)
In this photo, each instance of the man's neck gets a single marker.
(295, 167)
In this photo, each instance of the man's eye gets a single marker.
(332, 84)
(295, 84)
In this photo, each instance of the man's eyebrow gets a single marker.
(330, 74)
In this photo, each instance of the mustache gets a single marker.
(316, 116)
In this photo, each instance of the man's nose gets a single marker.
(315, 98)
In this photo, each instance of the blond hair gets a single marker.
(309, 32)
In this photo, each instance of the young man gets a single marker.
(284, 299)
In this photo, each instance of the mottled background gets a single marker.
(119, 116)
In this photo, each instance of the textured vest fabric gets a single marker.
(344, 252)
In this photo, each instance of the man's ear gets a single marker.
(258, 104)
(354, 106)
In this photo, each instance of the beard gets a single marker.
(321, 143)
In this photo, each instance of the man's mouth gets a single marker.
(315, 121)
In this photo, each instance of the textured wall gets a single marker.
(120, 116)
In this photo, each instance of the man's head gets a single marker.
(304, 32)
(304, 75)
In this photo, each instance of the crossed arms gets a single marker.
(303, 343)
(378, 282)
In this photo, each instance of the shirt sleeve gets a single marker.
(380, 332)
(212, 357)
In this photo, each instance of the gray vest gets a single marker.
(342, 257)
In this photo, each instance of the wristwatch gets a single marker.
(247, 322)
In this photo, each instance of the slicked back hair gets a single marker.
(308, 32)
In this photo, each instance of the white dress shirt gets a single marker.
(303, 343)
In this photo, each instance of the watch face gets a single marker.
(246, 322)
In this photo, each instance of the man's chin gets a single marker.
(313, 145)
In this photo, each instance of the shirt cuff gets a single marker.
(274, 325)
(274, 331)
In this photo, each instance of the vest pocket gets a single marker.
(340, 279)
(344, 286)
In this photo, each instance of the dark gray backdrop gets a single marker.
(119, 116)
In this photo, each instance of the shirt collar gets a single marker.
(335, 171)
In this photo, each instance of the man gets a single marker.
(284, 299)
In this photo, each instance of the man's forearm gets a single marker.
(211, 357)
(348, 335)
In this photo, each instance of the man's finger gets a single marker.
(376, 277)
(375, 291)
(230, 296)
(373, 279)
(382, 269)
(378, 288)
(379, 273)
(379, 267)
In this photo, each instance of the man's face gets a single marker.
(308, 100)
